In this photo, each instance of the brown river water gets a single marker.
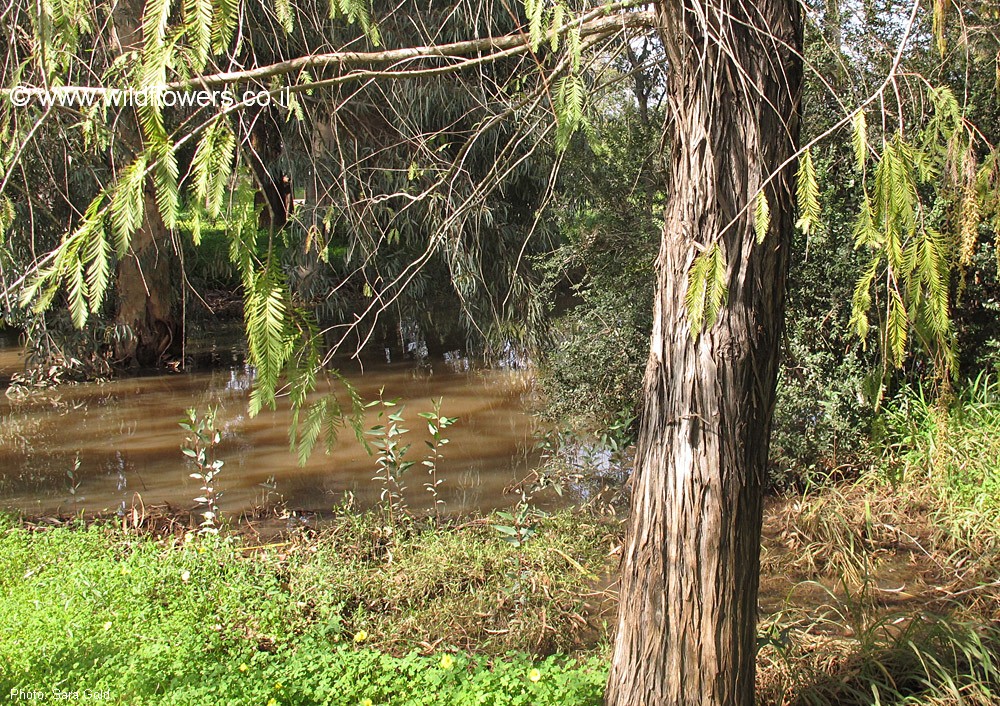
(99, 447)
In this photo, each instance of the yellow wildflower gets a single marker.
(360, 636)
(244, 667)
(272, 702)
(278, 685)
(534, 675)
(447, 661)
(367, 702)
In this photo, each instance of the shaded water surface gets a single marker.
(93, 447)
(11, 355)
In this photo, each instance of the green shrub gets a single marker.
(822, 418)
(592, 376)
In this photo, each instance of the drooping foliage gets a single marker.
(366, 186)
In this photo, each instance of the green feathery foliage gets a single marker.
(286, 18)
(568, 105)
(127, 205)
(761, 216)
(7, 215)
(859, 139)
(356, 12)
(165, 176)
(706, 289)
(558, 17)
(861, 302)
(270, 338)
(212, 166)
(198, 18)
(535, 12)
(224, 17)
(81, 264)
(324, 420)
(807, 195)
(919, 220)
(155, 53)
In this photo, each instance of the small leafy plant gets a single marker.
(521, 524)
(436, 424)
(200, 446)
(390, 455)
(524, 516)
(73, 481)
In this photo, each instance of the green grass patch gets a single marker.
(950, 447)
(353, 615)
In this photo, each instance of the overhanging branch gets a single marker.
(593, 25)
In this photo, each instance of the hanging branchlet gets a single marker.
(568, 105)
(127, 208)
(807, 195)
(919, 222)
(212, 166)
(155, 51)
(939, 14)
(224, 17)
(761, 216)
(198, 30)
(324, 418)
(81, 265)
(58, 27)
(355, 12)
(859, 140)
(548, 18)
(706, 289)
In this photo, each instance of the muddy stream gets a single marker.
(100, 447)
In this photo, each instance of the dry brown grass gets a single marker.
(873, 599)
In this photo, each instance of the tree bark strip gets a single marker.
(690, 567)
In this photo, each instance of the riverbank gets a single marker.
(355, 612)
(863, 588)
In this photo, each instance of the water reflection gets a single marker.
(92, 447)
(11, 355)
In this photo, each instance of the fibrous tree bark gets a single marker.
(690, 567)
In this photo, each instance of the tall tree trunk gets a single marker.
(147, 282)
(262, 147)
(147, 287)
(690, 568)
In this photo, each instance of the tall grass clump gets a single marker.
(885, 603)
(952, 446)
(467, 588)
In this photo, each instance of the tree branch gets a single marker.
(591, 25)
